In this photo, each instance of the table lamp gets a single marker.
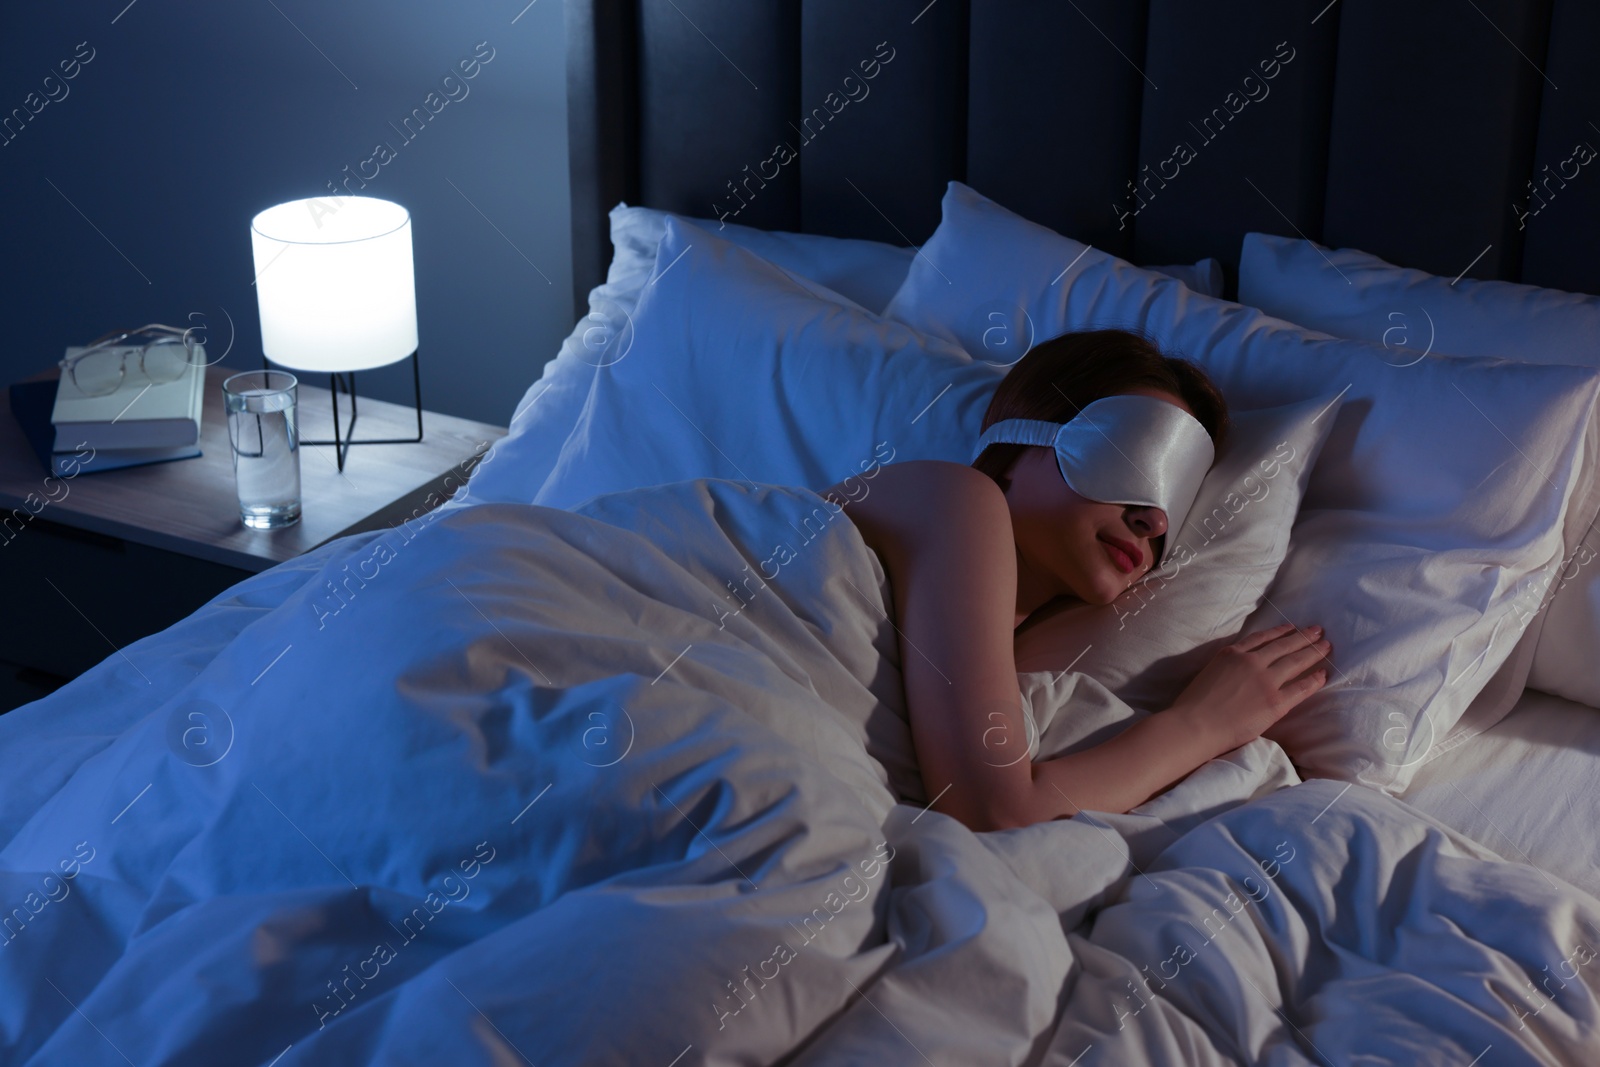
(337, 293)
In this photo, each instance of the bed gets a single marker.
(607, 760)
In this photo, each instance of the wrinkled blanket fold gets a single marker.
(635, 782)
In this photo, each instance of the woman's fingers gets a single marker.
(1286, 637)
(1301, 688)
(1295, 639)
(1289, 666)
(1255, 640)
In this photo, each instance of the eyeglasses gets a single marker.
(101, 367)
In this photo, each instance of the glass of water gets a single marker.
(264, 430)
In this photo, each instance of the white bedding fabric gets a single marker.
(862, 274)
(583, 775)
(1525, 787)
(1345, 292)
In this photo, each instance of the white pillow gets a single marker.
(1414, 314)
(867, 272)
(741, 370)
(1347, 293)
(1203, 277)
(1147, 644)
(863, 272)
(1425, 519)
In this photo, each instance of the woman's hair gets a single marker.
(1060, 376)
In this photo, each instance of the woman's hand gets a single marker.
(1253, 682)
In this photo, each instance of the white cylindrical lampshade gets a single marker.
(334, 283)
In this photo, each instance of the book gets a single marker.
(31, 404)
(141, 414)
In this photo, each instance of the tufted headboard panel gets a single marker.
(1440, 134)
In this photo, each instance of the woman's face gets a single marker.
(1080, 547)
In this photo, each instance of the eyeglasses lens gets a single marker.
(165, 360)
(98, 373)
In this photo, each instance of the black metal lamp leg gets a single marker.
(346, 382)
(340, 450)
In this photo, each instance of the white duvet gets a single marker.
(634, 785)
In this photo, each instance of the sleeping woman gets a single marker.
(1093, 447)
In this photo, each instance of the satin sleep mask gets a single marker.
(1124, 449)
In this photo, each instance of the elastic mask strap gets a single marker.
(1019, 432)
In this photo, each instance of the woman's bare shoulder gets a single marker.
(917, 498)
(915, 483)
(913, 475)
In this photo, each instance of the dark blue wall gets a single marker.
(190, 117)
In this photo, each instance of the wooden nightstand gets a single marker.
(125, 553)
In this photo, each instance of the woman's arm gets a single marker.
(944, 534)
(1118, 775)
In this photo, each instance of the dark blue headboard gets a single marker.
(1161, 131)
